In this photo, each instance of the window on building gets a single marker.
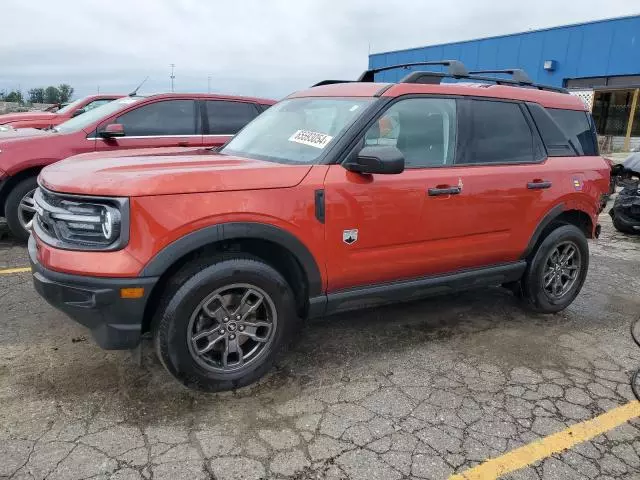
(424, 130)
(171, 117)
(498, 133)
(227, 117)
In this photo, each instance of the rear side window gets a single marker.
(577, 127)
(228, 118)
(497, 132)
(167, 118)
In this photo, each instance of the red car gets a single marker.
(337, 198)
(164, 120)
(46, 119)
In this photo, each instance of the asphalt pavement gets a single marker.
(428, 389)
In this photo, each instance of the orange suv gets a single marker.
(343, 196)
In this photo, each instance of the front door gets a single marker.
(165, 123)
(378, 226)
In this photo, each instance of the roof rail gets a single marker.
(517, 74)
(331, 82)
(455, 69)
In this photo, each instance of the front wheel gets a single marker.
(20, 209)
(557, 271)
(224, 326)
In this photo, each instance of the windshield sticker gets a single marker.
(313, 139)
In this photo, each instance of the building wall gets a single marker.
(601, 48)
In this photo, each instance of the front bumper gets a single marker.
(95, 302)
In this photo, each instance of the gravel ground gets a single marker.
(420, 390)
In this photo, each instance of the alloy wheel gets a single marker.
(232, 328)
(561, 270)
(27, 210)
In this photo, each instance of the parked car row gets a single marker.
(165, 120)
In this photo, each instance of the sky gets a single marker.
(265, 48)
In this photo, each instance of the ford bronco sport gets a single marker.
(342, 196)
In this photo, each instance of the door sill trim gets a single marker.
(407, 290)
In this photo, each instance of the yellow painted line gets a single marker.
(556, 443)
(9, 271)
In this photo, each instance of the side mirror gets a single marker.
(80, 111)
(377, 159)
(112, 130)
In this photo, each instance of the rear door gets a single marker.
(505, 180)
(163, 123)
(224, 118)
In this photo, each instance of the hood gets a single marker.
(167, 174)
(6, 133)
(22, 116)
(145, 152)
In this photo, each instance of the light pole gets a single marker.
(209, 84)
(172, 76)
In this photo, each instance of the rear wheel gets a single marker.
(19, 208)
(224, 326)
(557, 271)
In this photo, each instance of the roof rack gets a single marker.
(517, 74)
(456, 70)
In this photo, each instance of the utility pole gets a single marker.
(172, 76)
(98, 89)
(209, 84)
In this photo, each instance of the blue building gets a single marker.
(600, 61)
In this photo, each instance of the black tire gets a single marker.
(534, 293)
(623, 226)
(189, 288)
(12, 204)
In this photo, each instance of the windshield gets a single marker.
(71, 106)
(88, 118)
(297, 130)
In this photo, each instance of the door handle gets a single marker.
(446, 190)
(538, 184)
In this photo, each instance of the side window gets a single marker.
(498, 132)
(227, 117)
(423, 129)
(171, 117)
(577, 128)
(95, 104)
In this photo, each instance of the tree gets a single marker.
(36, 95)
(66, 92)
(51, 95)
(14, 96)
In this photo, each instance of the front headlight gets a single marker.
(81, 223)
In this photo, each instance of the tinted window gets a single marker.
(555, 140)
(424, 130)
(498, 133)
(229, 117)
(577, 128)
(171, 117)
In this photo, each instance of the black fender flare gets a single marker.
(551, 215)
(237, 230)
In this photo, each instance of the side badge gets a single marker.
(350, 236)
(577, 184)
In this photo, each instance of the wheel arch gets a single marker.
(275, 246)
(561, 214)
